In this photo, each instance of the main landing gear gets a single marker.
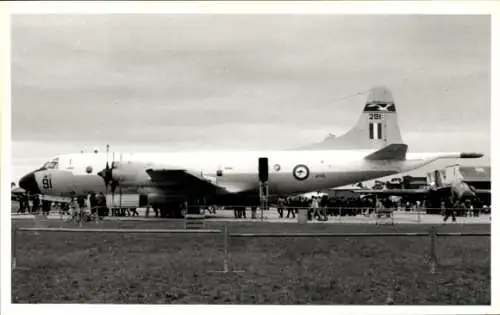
(179, 208)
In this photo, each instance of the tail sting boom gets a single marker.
(376, 128)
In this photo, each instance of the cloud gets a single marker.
(243, 81)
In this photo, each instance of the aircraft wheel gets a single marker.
(175, 211)
(178, 213)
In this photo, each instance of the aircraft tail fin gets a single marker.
(376, 128)
(393, 151)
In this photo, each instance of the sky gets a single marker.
(208, 82)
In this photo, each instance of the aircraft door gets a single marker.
(263, 169)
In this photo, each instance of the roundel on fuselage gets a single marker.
(88, 169)
(301, 172)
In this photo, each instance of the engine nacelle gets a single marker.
(130, 173)
(126, 201)
(135, 200)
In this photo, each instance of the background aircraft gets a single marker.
(373, 148)
(461, 183)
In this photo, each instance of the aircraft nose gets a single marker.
(28, 183)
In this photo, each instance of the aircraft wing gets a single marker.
(182, 179)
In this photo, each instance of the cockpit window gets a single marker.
(54, 164)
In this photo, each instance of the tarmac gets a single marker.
(398, 217)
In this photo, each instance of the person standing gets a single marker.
(280, 207)
(315, 207)
(292, 207)
(323, 204)
(450, 210)
(73, 205)
(36, 204)
(93, 204)
(254, 212)
(46, 205)
(101, 206)
(22, 203)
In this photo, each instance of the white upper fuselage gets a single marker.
(323, 169)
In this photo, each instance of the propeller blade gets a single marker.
(107, 172)
(107, 175)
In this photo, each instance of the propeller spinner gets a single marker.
(107, 173)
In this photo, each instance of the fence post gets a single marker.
(225, 268)
(390, 298)
(433, 250)
(14, 245)
(225, 250)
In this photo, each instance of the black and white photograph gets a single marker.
(218, 158)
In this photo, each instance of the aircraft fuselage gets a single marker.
(236, 172)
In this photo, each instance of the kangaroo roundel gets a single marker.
(301, 172)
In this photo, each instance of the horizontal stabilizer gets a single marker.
(393, 151)
(470, 155)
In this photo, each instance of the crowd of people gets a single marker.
(94, 206)
(36, 205)
(318, 207)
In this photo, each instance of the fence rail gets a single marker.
(352, 234)
(275, 208)
(432, 234)
(138, 231)
(216, 231)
